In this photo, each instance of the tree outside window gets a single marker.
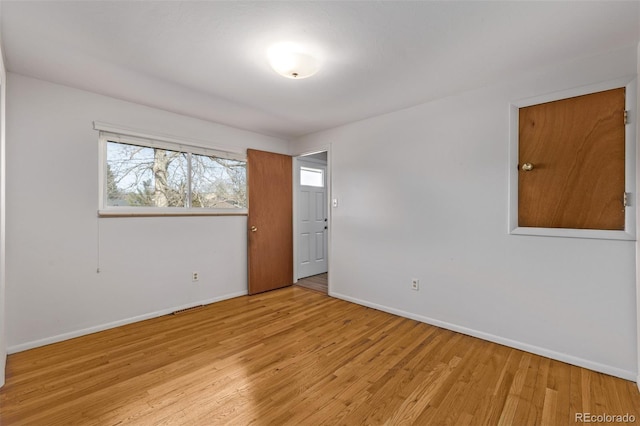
(144, 176)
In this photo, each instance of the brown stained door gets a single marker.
(571, 163)
(270, 221)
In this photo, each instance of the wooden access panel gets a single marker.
(270, 221)
(572, 163)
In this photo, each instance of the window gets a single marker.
(311, 177)
(154, 177)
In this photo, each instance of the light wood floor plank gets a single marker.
(297, 357)
(316, 282)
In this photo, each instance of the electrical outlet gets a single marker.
(195, 277)
(415, 284)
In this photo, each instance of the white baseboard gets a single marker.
(581, 362)
(70, 335)
(569, 359)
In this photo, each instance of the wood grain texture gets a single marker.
(270, 248)
(297, 357)
(577, 147)
(315, 282)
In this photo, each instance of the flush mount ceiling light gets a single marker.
(292, 60)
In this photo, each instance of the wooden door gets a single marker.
(312, 220)
(571, 163)
(270, 221)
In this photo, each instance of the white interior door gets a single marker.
(312, 218)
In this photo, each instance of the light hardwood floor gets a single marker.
(315, 282)
(294, 356)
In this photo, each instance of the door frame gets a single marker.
(296, 189)
(299, 163)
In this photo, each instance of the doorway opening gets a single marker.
(311, 221)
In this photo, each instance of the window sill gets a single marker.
(156, 212)
(597, 234)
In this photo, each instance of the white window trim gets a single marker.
(629, 232)
(170, 142)
(113, 133)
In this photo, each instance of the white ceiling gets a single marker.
(208, 59)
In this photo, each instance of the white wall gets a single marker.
(423, 193)
(56, 242)
(3, 342)
(638, 242)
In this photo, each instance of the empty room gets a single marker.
(319, 212)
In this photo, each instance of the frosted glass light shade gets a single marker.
(290, 61)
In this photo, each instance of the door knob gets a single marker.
(254, 229)
(527, 167)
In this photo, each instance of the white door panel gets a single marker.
(305, 205)
(319, 247)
